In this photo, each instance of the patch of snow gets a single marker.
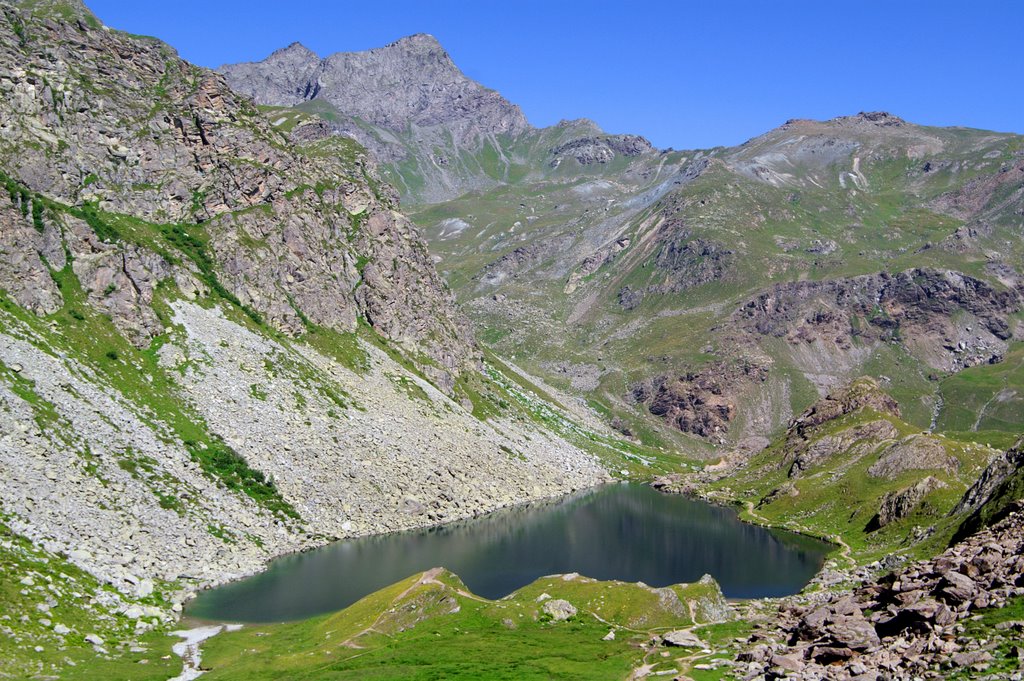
(189, 652)
(451, 227)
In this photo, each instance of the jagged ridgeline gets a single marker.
(723, 291)
(440, 132)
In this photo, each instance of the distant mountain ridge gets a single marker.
(586, 250)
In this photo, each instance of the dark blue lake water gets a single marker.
(627, 532)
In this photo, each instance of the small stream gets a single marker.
(627, 532)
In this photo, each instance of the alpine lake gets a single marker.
(627, 532)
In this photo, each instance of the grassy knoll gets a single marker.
(429, 627)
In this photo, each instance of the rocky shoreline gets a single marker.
(901, 624)
(905, 624)
(387, 461)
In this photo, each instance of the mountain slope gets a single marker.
(616, 267)
(848, 246)
(167, 142)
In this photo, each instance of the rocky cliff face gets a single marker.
(804, 445)
(917, 304)
(301, 236)
(702, 402)
(993, 494)
(946, 320)
(599, 149)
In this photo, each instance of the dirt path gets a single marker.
(755, 515)
(844, 550)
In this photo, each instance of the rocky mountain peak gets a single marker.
(883, 118)
(867, 120)
(412, 81)
(419, 53)
(417, 41)
(284, 78)
(294, 51)
(580, 125)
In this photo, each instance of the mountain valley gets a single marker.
(251, 311)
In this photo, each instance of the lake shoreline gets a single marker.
(625, 532)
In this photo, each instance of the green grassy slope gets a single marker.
(838, 496)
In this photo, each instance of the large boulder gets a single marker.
(559, 609)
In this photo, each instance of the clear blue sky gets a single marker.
(684, 74)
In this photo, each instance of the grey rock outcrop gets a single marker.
(861, 439)
(558, 609)
(995, 492)
(863, 393)
(999, 470)
(699, 402)
(600, 149)
(917, 307)
(898, 505)
(915, 453)
(682, 638)
(22, 252)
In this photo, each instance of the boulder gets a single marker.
(682, 638)
(559, 609)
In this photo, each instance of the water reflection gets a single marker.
(626, 532)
